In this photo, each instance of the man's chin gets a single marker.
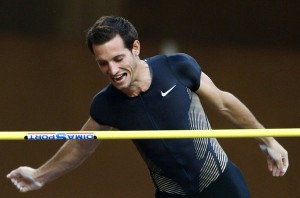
(120, 87)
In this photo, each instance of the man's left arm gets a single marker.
(233, 110)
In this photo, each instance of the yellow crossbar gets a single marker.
(149, 134)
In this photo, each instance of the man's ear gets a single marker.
(136, 47)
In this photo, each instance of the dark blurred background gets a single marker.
(48, 78)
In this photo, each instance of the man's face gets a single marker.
(116, 62)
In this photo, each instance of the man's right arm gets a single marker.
(68, 157)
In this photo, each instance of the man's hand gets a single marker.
(277, 157)
(24, 179)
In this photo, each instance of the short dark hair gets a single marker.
(107, 27)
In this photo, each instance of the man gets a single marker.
(158, 93)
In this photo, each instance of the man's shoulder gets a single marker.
(106, 91)
(171, 59)
(180, 56)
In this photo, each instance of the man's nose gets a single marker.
(112, 69)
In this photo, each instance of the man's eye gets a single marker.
(101, 63)
(119, 59)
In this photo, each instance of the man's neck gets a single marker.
(142, 81)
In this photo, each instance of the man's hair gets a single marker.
(107, 27)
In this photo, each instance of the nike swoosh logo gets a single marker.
(163, 94)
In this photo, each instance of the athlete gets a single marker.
(163, 92)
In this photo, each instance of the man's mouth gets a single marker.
(118, 78)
